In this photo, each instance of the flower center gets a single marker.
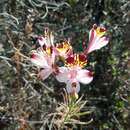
(100, 31)
(76, 60)
(63, 47)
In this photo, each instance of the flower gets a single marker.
(97, 39)
(73, 73)
(64, 49)
(44, 60)
(44, 56)
(72, 77)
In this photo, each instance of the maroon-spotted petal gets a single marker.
(70, 60)
(84, 76)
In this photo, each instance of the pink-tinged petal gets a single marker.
(62, 75)
(53, 56)
(51, 37)
(73, 87)
(84, 76)
(47, 40)
(39, 60)
(69, 53)
(98, 43)
(97, 39)
(42, 41)
(72, 74)
(64, 49)
(70, 59)
(92, 34)
(44, 74)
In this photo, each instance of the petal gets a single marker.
(84, 76)
(53, 56)
(73, 86)
(69, 52)
(39, 60)
(92, 34)
(49, 38)
(98, 43)
(62, 76)
(64, 49)
(42, 41)
(72, 73)
(50, 59)
(44, 74)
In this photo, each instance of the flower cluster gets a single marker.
(73, 71)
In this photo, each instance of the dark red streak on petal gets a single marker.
(33, 56)
(40, 38)
(82, 57)
(90, 74)
(90, 41)
(70, 60)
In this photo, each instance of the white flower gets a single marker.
(72, 76)
(43, 60)
(64, 49)
(97, 39)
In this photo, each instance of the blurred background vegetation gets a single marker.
(22, 94)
